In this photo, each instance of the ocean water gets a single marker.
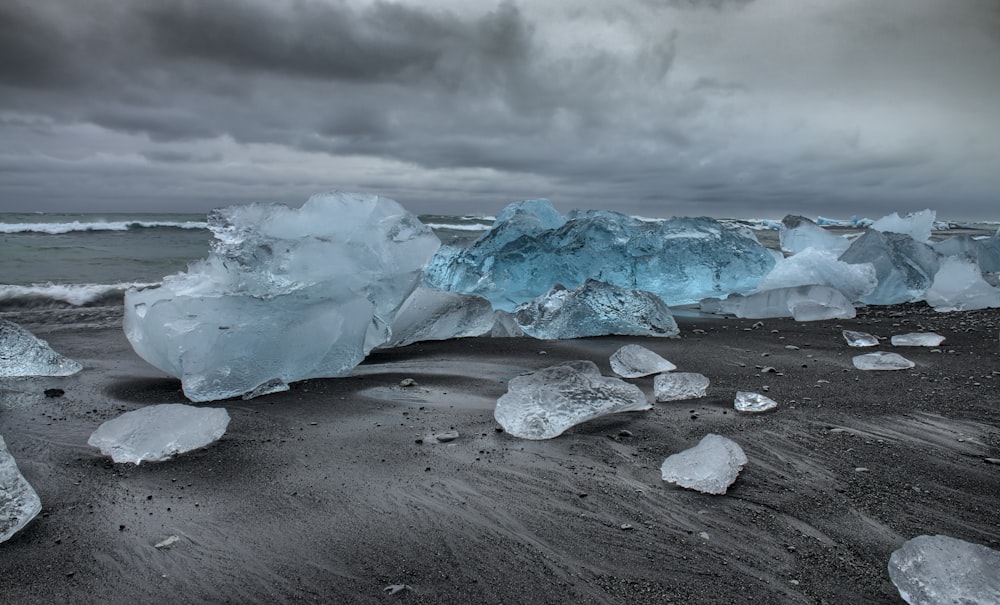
(53, 261)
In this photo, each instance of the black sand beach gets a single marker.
(337, 492)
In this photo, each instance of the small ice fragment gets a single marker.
(24, 354)
(634, 361)
(929, 570)
(882, 361)
(753, 402)
(709, 467)
(859, 339)
(917, 339)
(169, 541)
(157, 432)
(276, 385)
(543, 404)
(18, 501)
(680, 385)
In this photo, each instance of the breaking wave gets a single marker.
(59, 228)
(42, 296)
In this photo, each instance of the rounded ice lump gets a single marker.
(286, 294)
(932, 570)
(709, 467)
(158, 432)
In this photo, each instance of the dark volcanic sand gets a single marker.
(334, 491)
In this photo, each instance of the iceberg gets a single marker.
(932, 570)
(531, 249)
(435, 315)
(817, 267)
(917, 339)
(905, 268)
(798, 233)
(634, 361)
(24, 354)
(917, 225)
(882, 361)
(859, 339)
(595, 309)
(984, 251)
(678, 386)
(803, 303)
(709, 467)
(544, 404)
(286, 294)
(158, 432)
(753, 403)
(19, 503)
(959, 286)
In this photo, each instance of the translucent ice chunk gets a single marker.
(917, 225)
(859, 339)
(158, 432)
(935, 570)
(287, 294)
(959, 286)
(633, 361)
(23, 354)
(803, 303)
(18, 501)
(904, 267)
(680, 260)
(882, 361)
(678, 386)
(821, 268)
(917, 339)
(709, 467)
(436, 315)
(753, 402)
(595, 309)
(797, 233)
(543, 404)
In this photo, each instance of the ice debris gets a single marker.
(859, 339)
(798, 233)
(822, 268)
(709, 467)
(939, 570)
(595, 309)
(19, 503)
(635, 361)
(24, 354)
(904, 267)
(959, 286)
(544, 404)
(678, 386)
(531, 248)
(286, 294)
(803, 303)
(158, 432)
(753, 402)
(882, 361)
(436, 315)
(917, 225)
(917, 339)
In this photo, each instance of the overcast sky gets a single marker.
(652, 107)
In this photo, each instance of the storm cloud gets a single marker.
(653, 107)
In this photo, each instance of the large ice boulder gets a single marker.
(159, 432)
(984, 251)
(815, 267)
(802, 303)
(437, 315)
(935, 570)
(19, 503)
(543, 404)
(797, 233)
(959, 286)
(531, 249)
(904, 267)
(917, 225)
(286, 294)
(24, 354)
(595, 309)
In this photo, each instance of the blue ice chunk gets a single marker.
(904, 267)
(798, 233)
(681, 260)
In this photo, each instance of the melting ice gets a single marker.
(709, 467)
(859, 339)
(753, 402)
(917, 339)
(19, 503)
(634, 361)
(24, 354)
(929, 570)
(678, 386)
(882, 361)
(159, 432)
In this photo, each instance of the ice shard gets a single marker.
(527, 252)
(436, 315)
(822, 268)
(753, 403)
(917, 339)
(286, 294)
(917, 225)
(159, 432)
(709, 467)
(797, 233)
(635, 361)
(24, 354)
(678, 386)
(544, 404)
(882, 361)
(859, 339)
(959, 286)
(939, 570)
(905, 268)
(595, 309)
(19, 503)
(803, 303)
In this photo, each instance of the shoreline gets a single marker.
(323, 493)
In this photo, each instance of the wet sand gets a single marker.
(336, 490)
